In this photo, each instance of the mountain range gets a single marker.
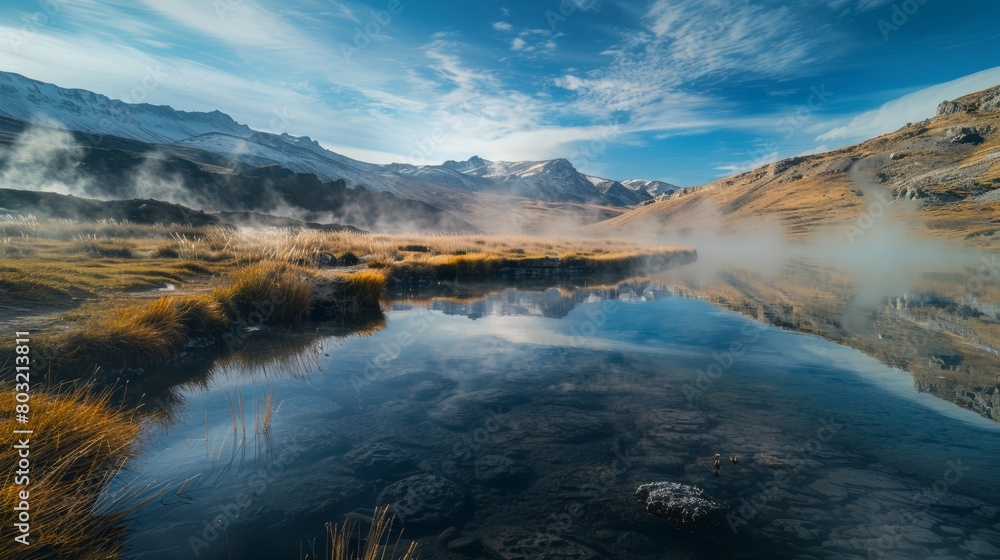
(451, 186)
(946, 167)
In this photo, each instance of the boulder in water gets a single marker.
(681, 504)
(423, 499)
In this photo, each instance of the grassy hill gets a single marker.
(946, 169)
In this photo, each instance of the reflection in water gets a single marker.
(553, 303)
(533, 425)
(261, 353)
(943, 329)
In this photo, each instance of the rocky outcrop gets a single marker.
(680, 504)
(990, 101)
(981, 102)
(967, 134)
(951, 108)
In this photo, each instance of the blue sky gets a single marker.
(684, 91)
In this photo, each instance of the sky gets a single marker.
(684, 91)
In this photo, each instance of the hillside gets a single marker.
(942, 173)
(123, 169)
(47, 205)
(449, 186)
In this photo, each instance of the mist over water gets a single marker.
(885, 250)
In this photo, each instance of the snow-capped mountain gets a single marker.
(653, 188)
(37, 102)
(556, 180)
(619, 193)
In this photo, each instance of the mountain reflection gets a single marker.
(554, 303)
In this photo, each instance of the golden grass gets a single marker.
(379, 544)
(155, 331)
(279, 291)
(79, 443)
(53, 281)
(108, 248)
(367, 285)
(137, 332)
(244, 274)
(50, 261)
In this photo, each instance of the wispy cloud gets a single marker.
(654, 75)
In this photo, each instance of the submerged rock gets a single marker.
(375, 460)
(497, 469)
(681, 504)
(423, 499)
(510, 543)
(802, 530)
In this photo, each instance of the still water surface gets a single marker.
(546, 416)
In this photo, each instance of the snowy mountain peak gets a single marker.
(653, 188)
(555, 180)
(473, 162)
(37, 102)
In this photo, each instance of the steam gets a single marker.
(885, 251)
(45, 158)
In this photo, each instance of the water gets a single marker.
(548, 416)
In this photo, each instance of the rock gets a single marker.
(803, 530)
(895, 156)
(948, 530)
(465, 545)
(976, 545)
(635, 542)
(966, 135)
(990, 101)
(497, 469)
(447, 534)
(682, 505)
(377, 460)
(560, 424)
(469, 410)
(348, 259)
(315, 439)
(325, 259)
(839, 165)
(514, 543)
(770, 460)
(423, 499)
(951, 108)
(298, 495)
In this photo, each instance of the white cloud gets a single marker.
(706, 37)
(517, 44)
(503, 26)
(913, 107)
(858, 5)
(688, 43)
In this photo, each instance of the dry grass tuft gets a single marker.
(343, 543)
(106, 248)
(279, 291)
(367, 285)
(138, 333)
(79, 443)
